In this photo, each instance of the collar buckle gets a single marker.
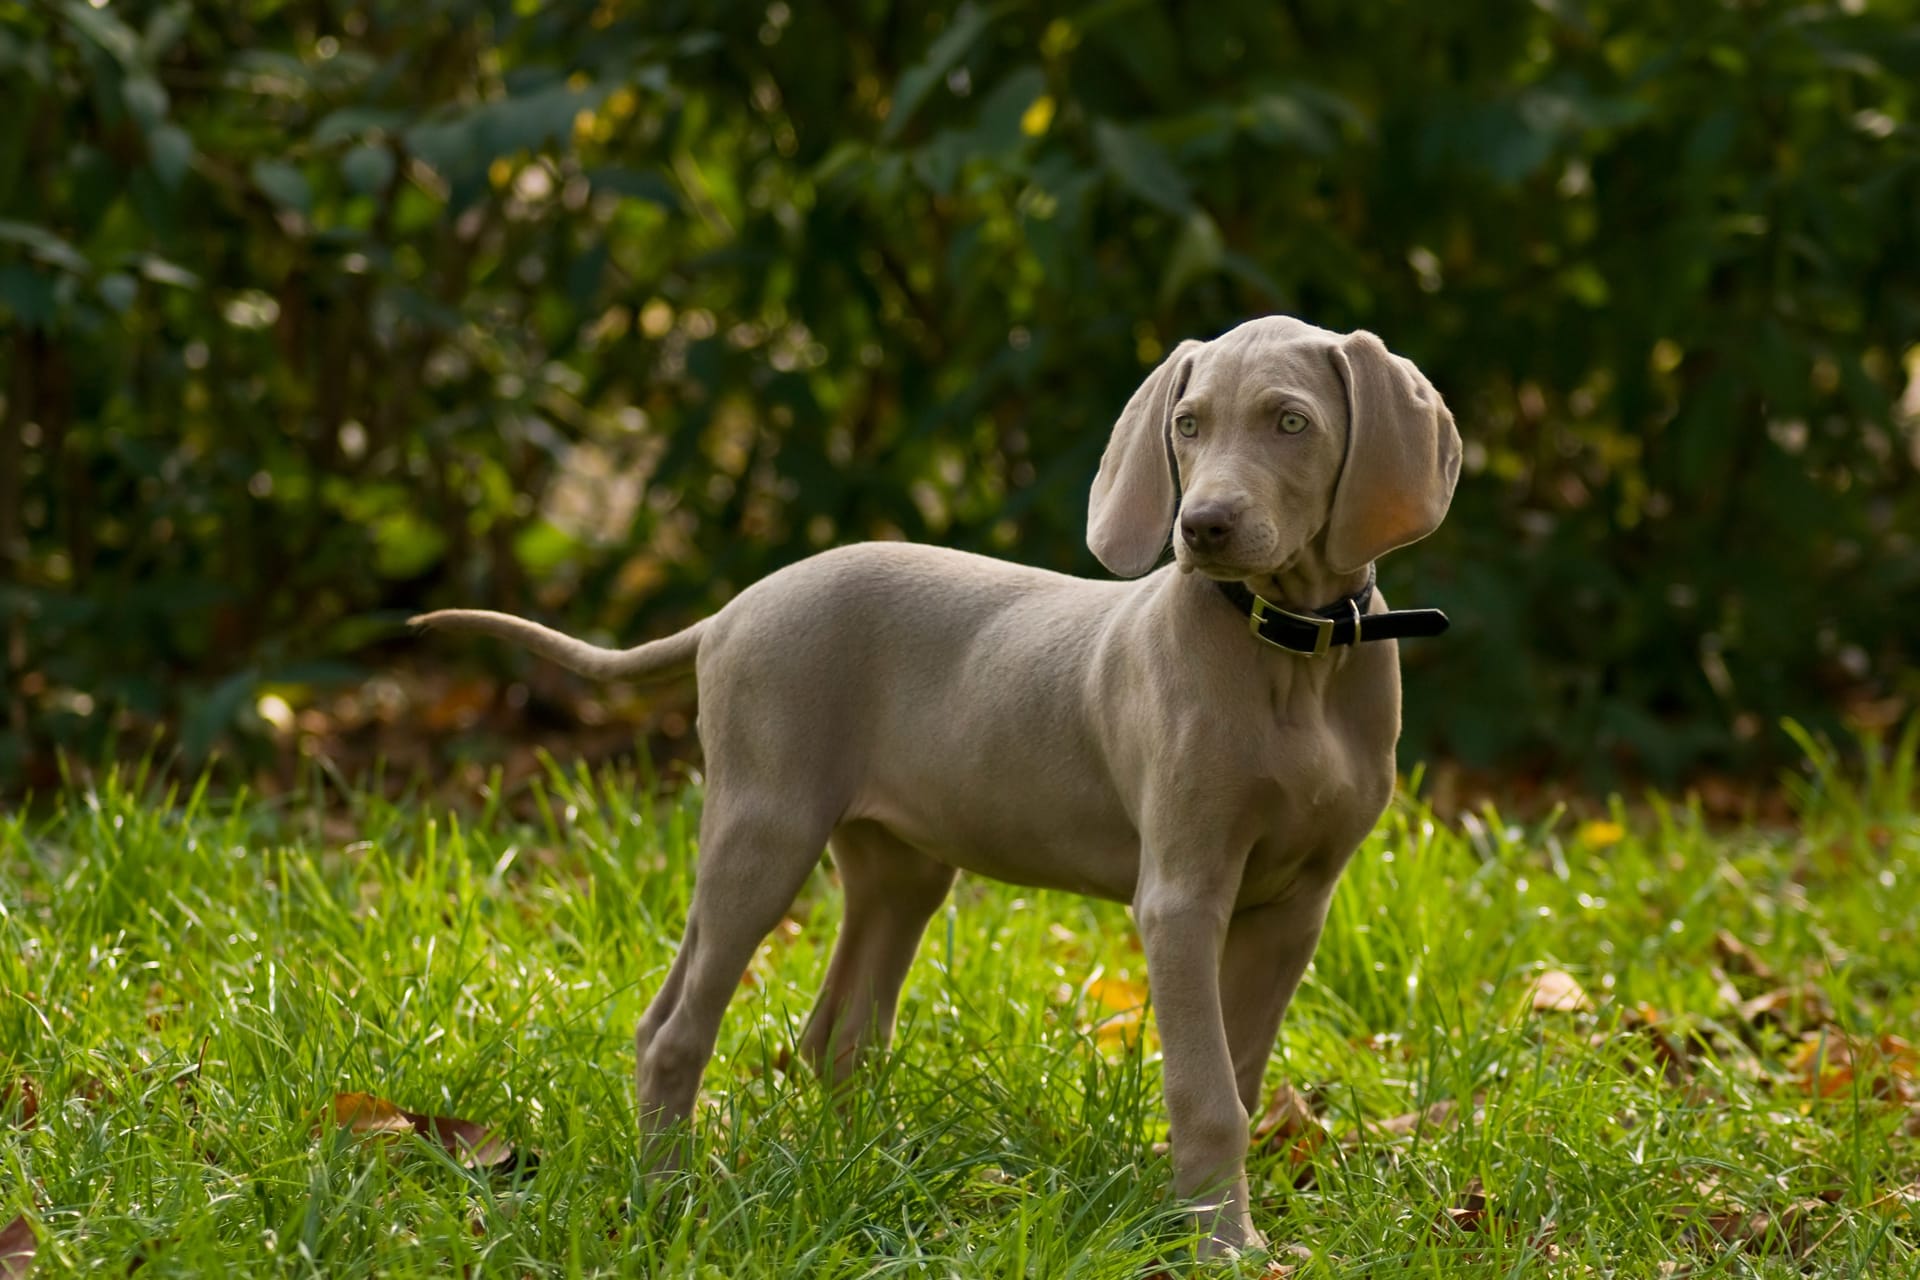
(1264, 608)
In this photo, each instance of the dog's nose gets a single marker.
(1207, 525)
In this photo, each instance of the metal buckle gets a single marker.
(1323, 627)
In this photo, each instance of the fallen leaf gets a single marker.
(1829, 1063)
(1649, 1023)
(1791, 1008)
(1904, 1199)
(18, 1244)
(1116, 1009)
(363, 1113)
(1557, 991)
(459, 706)
(1600, 834)
(473, 1145)
(1289, 1127)
(20, 1094)
(1470, 1213)
(1788, 1232)
(1740, 958)
(1439, 1115)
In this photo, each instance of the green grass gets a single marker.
(188, 983)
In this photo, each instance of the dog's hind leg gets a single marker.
(753, 860)
(892, 890)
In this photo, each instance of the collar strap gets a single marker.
(1345, 621)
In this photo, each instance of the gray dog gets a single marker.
(1209, 742)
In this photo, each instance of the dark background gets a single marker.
(315, 312)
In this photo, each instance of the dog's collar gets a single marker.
(1345, 621)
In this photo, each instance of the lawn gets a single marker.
(1626, 1046)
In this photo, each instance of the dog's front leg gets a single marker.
(1267, 951)
(1182, 913)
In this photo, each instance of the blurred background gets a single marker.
(317, 312)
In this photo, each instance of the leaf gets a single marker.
(1141, 166)
(1288, 1127)
(636, 185)
(145, 100)
(1557, 991)
(1439, 1115)
(969, 23)
(20, 1093)
(1198, 251)
(1600, 834)
(118, 290)
(160, 271)
(1829, 1064)
(473, 1145)
(1116, 1009)
(1740, 958)
(284, 184)
(368, 168)
(1793, 1008)
(352, 122)
(1279, 119)
(364, 1113)
(105, 29)
(1469, 1213)
(18, 1244)
(45, 245)
(1787, 1232)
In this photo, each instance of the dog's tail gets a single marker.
(659, 659)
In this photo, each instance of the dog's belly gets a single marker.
(1055, 840)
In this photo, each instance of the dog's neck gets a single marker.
(1306, 584)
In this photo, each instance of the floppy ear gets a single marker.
(1403, 456)
(1131, 511)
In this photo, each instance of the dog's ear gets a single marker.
(1131, 512)
(1403, 456)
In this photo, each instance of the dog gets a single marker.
(1208, 741)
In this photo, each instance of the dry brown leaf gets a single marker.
(1289, 1127)
(473, 1145)
(18, 1244)
(1439, 1115)
(1470, 1214)
(1557, 991)
(1829, 1063)
(1788, 1232)
(1740, 958)
(1901, 1199)
(1793, 1008)
(459, 706)
(1116, 1009)
(363, 1113)
(22, 1095)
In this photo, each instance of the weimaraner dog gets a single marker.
(1208, 742)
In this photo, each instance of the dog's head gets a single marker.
(1274, 439)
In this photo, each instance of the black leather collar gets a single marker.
(1345, 621)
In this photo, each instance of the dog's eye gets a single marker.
(1293, 423)
(1187, 425)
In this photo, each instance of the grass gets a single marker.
(186, 984)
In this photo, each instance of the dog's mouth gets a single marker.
(1216, 569)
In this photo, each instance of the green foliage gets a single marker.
(191, 980)
(313, 314)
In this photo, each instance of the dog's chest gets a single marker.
(1318, 796)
